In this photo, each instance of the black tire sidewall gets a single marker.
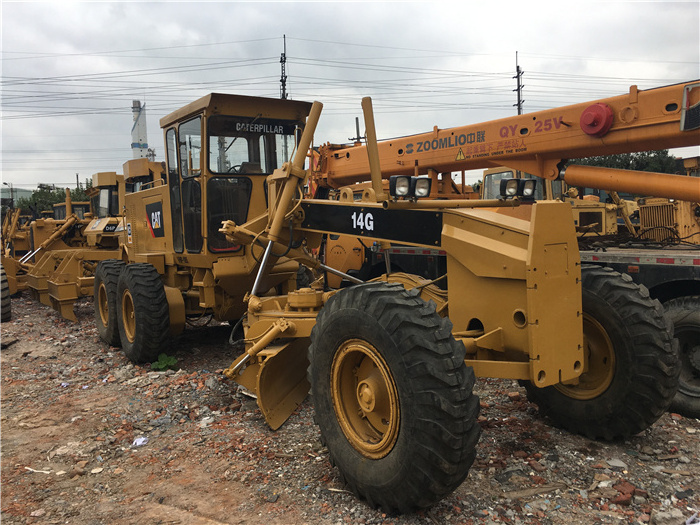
(607, 405)
(645, 373)
(6, 299)
(684, 313)
(437, 428)
(355, 324)
(151, 331)
(108, 272)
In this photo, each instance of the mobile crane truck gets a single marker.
(391, 364)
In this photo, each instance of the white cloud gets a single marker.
(424, 64)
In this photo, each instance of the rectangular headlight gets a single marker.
(509, 188)
(529, 186)
(399, 186)
(421, 187)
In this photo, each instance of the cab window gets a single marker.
(190, 136)
(227, 199)
(249, 145)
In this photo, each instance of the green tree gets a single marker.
(46, 195)
(80, 193)
(659, 161)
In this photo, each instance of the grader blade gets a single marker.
(63, 296)
(278, 378)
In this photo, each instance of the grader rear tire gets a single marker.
(6, 304)
(632, 362)
(142, 313)
(105, 294)
(684, 312)
(393, 397)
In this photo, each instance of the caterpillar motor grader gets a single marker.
(391, 363)
(59, 261)
(55, 229)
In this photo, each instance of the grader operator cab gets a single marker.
(220, 150)
(391, 363)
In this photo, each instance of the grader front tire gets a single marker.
(6, 305)
(632, 362)
(142, 313)
(393, 397)
(105, 300)
(684, 313)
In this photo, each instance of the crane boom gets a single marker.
(641, 120)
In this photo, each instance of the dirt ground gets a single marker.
(89, 438)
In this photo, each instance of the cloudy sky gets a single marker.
(71, 70)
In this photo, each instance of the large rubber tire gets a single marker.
(105, 300)
(142, 313)
(632, 362)
(6, 301)
(684, 313)
(392, 396)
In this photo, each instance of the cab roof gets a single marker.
(240, 106)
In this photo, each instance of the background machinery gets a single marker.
(58, 264)
(391, 363)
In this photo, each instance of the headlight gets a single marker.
(518, 188)
(399, 186)
(529, 186)
(422, 187)
(405, 186)
(509, 187)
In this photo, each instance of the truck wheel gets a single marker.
(142, 313)
(105, 293)
(684, 312)
(632, 362)
(6, 304)
(393, 397)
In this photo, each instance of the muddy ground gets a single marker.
(89, 438)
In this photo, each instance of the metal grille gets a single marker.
(657, 221)
(690, 119)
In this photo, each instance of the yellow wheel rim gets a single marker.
(103, 304)
(365, 398)
(129, 320)
(600, 363)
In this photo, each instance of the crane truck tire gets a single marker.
(105, 293)
(142, 313)
(392, 396)
(6, 304)
(632, 364)
(684, 312)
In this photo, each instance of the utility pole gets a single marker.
(12, 194)
(519, 89)
(358, 138)
(283, 63)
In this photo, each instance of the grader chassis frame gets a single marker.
(391, 364)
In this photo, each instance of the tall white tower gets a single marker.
(139, 140)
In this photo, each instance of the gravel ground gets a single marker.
(89, 438)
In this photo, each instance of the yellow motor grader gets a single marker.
(391, 363)
(62, 252)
